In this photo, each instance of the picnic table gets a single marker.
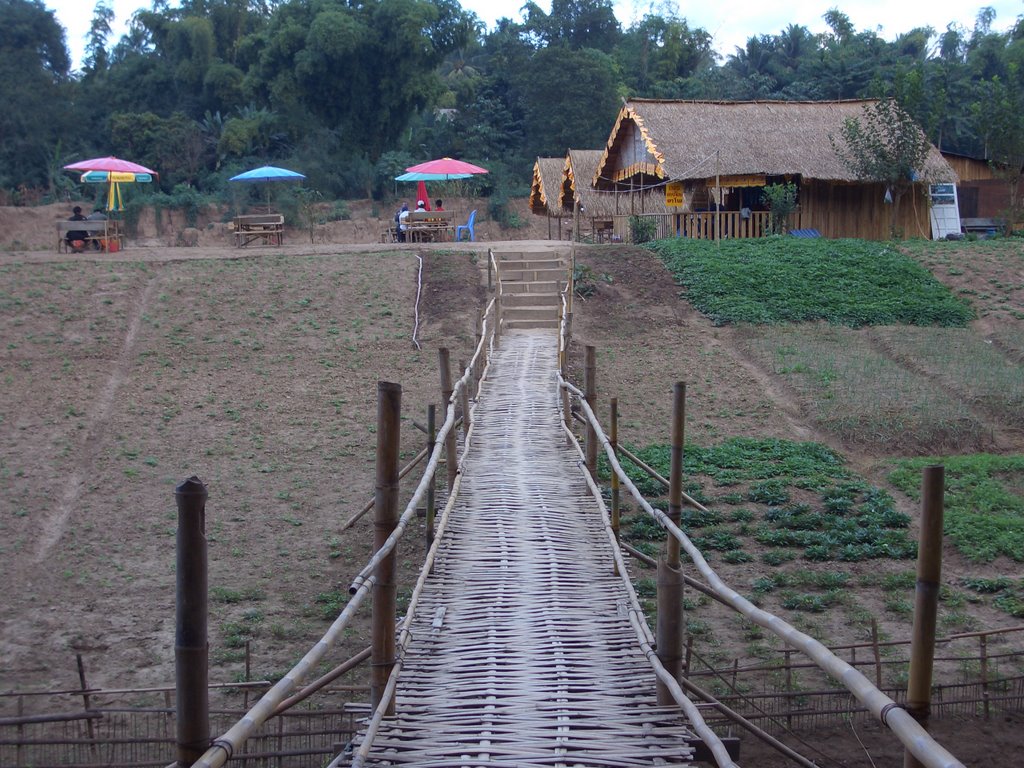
(264, 228)
(429, 227)
(103, 234)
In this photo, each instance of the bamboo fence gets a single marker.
(915, 738)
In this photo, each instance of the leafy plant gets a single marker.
(642, 229)
(796, 280)
(781, 202)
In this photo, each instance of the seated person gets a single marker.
(76, 235)
(438, 206)
(400, 219)
(421, 207)
(97, 215)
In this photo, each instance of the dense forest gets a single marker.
(353, 92)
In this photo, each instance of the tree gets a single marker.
(781, 202)
(34, 90)
(999, 119)
(885, 146)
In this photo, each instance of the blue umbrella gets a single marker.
(268, 173)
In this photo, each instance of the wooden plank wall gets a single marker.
(859, 210)
(969, 169)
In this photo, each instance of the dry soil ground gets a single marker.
(256, 370)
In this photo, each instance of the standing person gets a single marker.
(76, 235)
(438, 206)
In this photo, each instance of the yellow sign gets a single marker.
(674, 195)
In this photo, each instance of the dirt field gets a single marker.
(256, 370)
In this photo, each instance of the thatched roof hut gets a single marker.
(546, 188)
(686, 140)
(725, 153)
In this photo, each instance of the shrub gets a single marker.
(642, 229)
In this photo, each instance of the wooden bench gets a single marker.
(103, 234)
(980, 226)
(265, 228)
(429, 226)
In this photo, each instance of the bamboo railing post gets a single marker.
(614, 440)
(191, 649)
(878, 653)
(85, 704)
(984, 674)
(590, 393)
(464, 397)
(451, 452)
(926, 600)
(385, 518)
(670, 572)
(431, 487)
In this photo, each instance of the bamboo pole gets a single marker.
(877, 652)
(670, 582)
(369, 505)
(389, 409)
(926, 601)
(451, 453)
(662, 480)
(431, 488)
(590, 388)
(464, 397)
(191, 649)
(85, 703)
(984, 674)
(675, 489)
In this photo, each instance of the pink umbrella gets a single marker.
(446, 166)
(114, 164)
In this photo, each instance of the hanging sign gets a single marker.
(674, 195)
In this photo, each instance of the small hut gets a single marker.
(723, 154)
(982, 192)
(546, 192)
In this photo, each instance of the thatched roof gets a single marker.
(691, 140)
(578, 170)
(546, 189)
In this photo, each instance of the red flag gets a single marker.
(421, 194)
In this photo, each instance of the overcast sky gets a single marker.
(730, 24)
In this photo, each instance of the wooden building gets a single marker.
(981, 193)
(724, 154)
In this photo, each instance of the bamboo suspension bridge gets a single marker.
(524, 643)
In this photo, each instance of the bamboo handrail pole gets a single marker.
(369, 505)
(590, 376)
(381, 710)
(643, 631)
(614, 408)
(741, 721)
(431, 487)
(465, 398)
(447, 391)
(227, 744)
(322, 681)
(910, 733)
(418, 494)
(662, 480)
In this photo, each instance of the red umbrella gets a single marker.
(446, 166)
(109, 164)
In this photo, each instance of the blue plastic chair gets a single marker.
(467, 227)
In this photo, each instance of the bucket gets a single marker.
(113, 246)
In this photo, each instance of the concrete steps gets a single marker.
(531, 285)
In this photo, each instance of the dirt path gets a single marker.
(52, 528)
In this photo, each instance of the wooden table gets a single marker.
(429, 227)
(264, 228)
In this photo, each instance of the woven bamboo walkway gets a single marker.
(522, 651)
